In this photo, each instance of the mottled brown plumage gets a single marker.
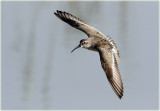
(108, 52)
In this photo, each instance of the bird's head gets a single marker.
(84, 43)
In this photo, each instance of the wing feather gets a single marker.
(79, 24)
(110, 67)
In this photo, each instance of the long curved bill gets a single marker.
(76, 48)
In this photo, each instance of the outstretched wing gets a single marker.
(110, 67)
(79, 24)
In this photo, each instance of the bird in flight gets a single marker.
(104, 45)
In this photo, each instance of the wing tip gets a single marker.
(120, 96)
(58, 12)
(55, 13)
(118, 89)
(68, 18)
